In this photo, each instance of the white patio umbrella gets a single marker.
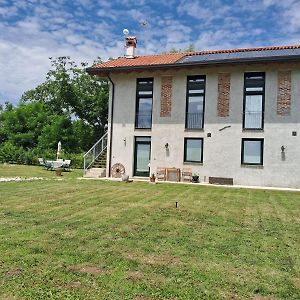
(58, 149)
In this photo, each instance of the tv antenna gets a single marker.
(125, 32)
(144, 23)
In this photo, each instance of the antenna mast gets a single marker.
(125, 32)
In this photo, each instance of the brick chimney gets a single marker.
(130, 46)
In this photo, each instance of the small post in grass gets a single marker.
(176, 204)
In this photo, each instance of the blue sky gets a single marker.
(31, 31)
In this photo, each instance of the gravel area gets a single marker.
(6, 179)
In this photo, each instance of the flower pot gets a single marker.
(195, 179)
(152, 179)
(58, 172)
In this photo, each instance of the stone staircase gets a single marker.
(95, 160)
(95, 173)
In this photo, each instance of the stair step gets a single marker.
(100, 162)
(95, 173)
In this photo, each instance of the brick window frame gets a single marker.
(166, 96)
(284, 93)
(223, 94)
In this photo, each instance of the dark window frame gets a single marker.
(137, 102)
(261, 140)
(149, 141)
(194, 94)
(262, 93)
(185, 150)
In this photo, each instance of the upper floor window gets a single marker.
(144, 98)
(195, 98)
(254, 98)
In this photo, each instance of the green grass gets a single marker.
(12, 170)
(82, 239)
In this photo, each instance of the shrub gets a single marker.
(12, 154)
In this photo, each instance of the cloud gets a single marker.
(28, 42)
(292, 17)
(33, 30)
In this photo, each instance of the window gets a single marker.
(144, 97)
(252, 151)
(254, 98)
(195, 102)
(193, 150)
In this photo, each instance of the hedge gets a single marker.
(12, 154)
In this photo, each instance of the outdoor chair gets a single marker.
(186, 174)
(161, 174)
(66, 165)
(48, 165)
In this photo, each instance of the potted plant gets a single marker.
(152, 178)
(58, 171)
(195, 178)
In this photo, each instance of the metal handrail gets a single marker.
(194, 120)
(253, 119)
(92, 154)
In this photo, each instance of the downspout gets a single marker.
(111, 123)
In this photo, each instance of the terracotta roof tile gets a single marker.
(172, 58)
(145, 60)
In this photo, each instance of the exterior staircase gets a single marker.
(100, 162)
(95, 159)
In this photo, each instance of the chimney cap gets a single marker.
(131, 41)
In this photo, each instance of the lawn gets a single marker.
(12, 170)
(87, 239)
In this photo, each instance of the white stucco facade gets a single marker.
(221, 151)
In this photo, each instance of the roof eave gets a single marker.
(97, 71)
(104, 72)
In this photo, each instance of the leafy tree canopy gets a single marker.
(68, 89)
(190, 48)
(70, 106)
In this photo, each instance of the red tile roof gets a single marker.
(145, 60)
(171, 58)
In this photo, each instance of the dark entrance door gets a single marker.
(142, 151)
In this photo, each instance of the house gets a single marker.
(231, 116)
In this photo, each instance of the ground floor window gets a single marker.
(142, 151)
(193, 150)
(252, 151)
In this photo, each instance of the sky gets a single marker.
(31, 31)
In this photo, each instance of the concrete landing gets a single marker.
(95, 173)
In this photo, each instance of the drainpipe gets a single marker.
(111, 123)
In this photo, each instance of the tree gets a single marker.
(22, 125)
(70, 106)
(68, 89)
(190, 48)
(30, 130)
